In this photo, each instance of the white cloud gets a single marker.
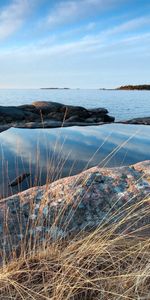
(93, 43)
(68, 11)
(63, 13)
(69, 51)
(12, 17)
(130, 25)
(91, 26)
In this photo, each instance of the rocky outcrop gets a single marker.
(137, 121)
(96, 197)
(42, 114)
(51, 114)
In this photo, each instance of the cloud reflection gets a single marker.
(50, 154)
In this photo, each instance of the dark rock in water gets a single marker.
(81, 112)
(39, 124)
(57, 116)
(4, 127)
(55, 124)
(19, 179)
(47, 106)
(98, 197)
(74, 118)
(108, 119)
(101, 111)
(28, 107)
(44, 114)
(41, 112)
(89, 120)
(11, 113)
(138, 121)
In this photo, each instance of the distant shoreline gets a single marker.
(144, 87)
(121, 88)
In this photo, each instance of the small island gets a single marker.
(142, 87)
(55, 88)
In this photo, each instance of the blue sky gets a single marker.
(74, 43)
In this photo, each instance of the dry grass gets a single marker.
(91, 267)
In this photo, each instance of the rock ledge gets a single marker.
(50, 115)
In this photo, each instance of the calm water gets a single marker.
(48, 154)
(53, 153)
(121, 104)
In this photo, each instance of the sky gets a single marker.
(74, 43)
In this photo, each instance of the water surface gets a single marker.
(49, 154)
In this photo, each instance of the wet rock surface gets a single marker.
(96, 197)
(51, 114)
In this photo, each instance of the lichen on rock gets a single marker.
(95, 197)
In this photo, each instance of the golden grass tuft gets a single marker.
(89, 267)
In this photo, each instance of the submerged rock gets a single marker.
(50, 113)
(19, 179)
(4, 128)
(98, 197)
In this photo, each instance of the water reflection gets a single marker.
(50, 154)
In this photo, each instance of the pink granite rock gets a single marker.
(97, 197)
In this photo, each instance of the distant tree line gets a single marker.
(135, 87)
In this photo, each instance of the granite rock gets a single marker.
(98, 197)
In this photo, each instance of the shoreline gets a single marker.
(43, 114)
